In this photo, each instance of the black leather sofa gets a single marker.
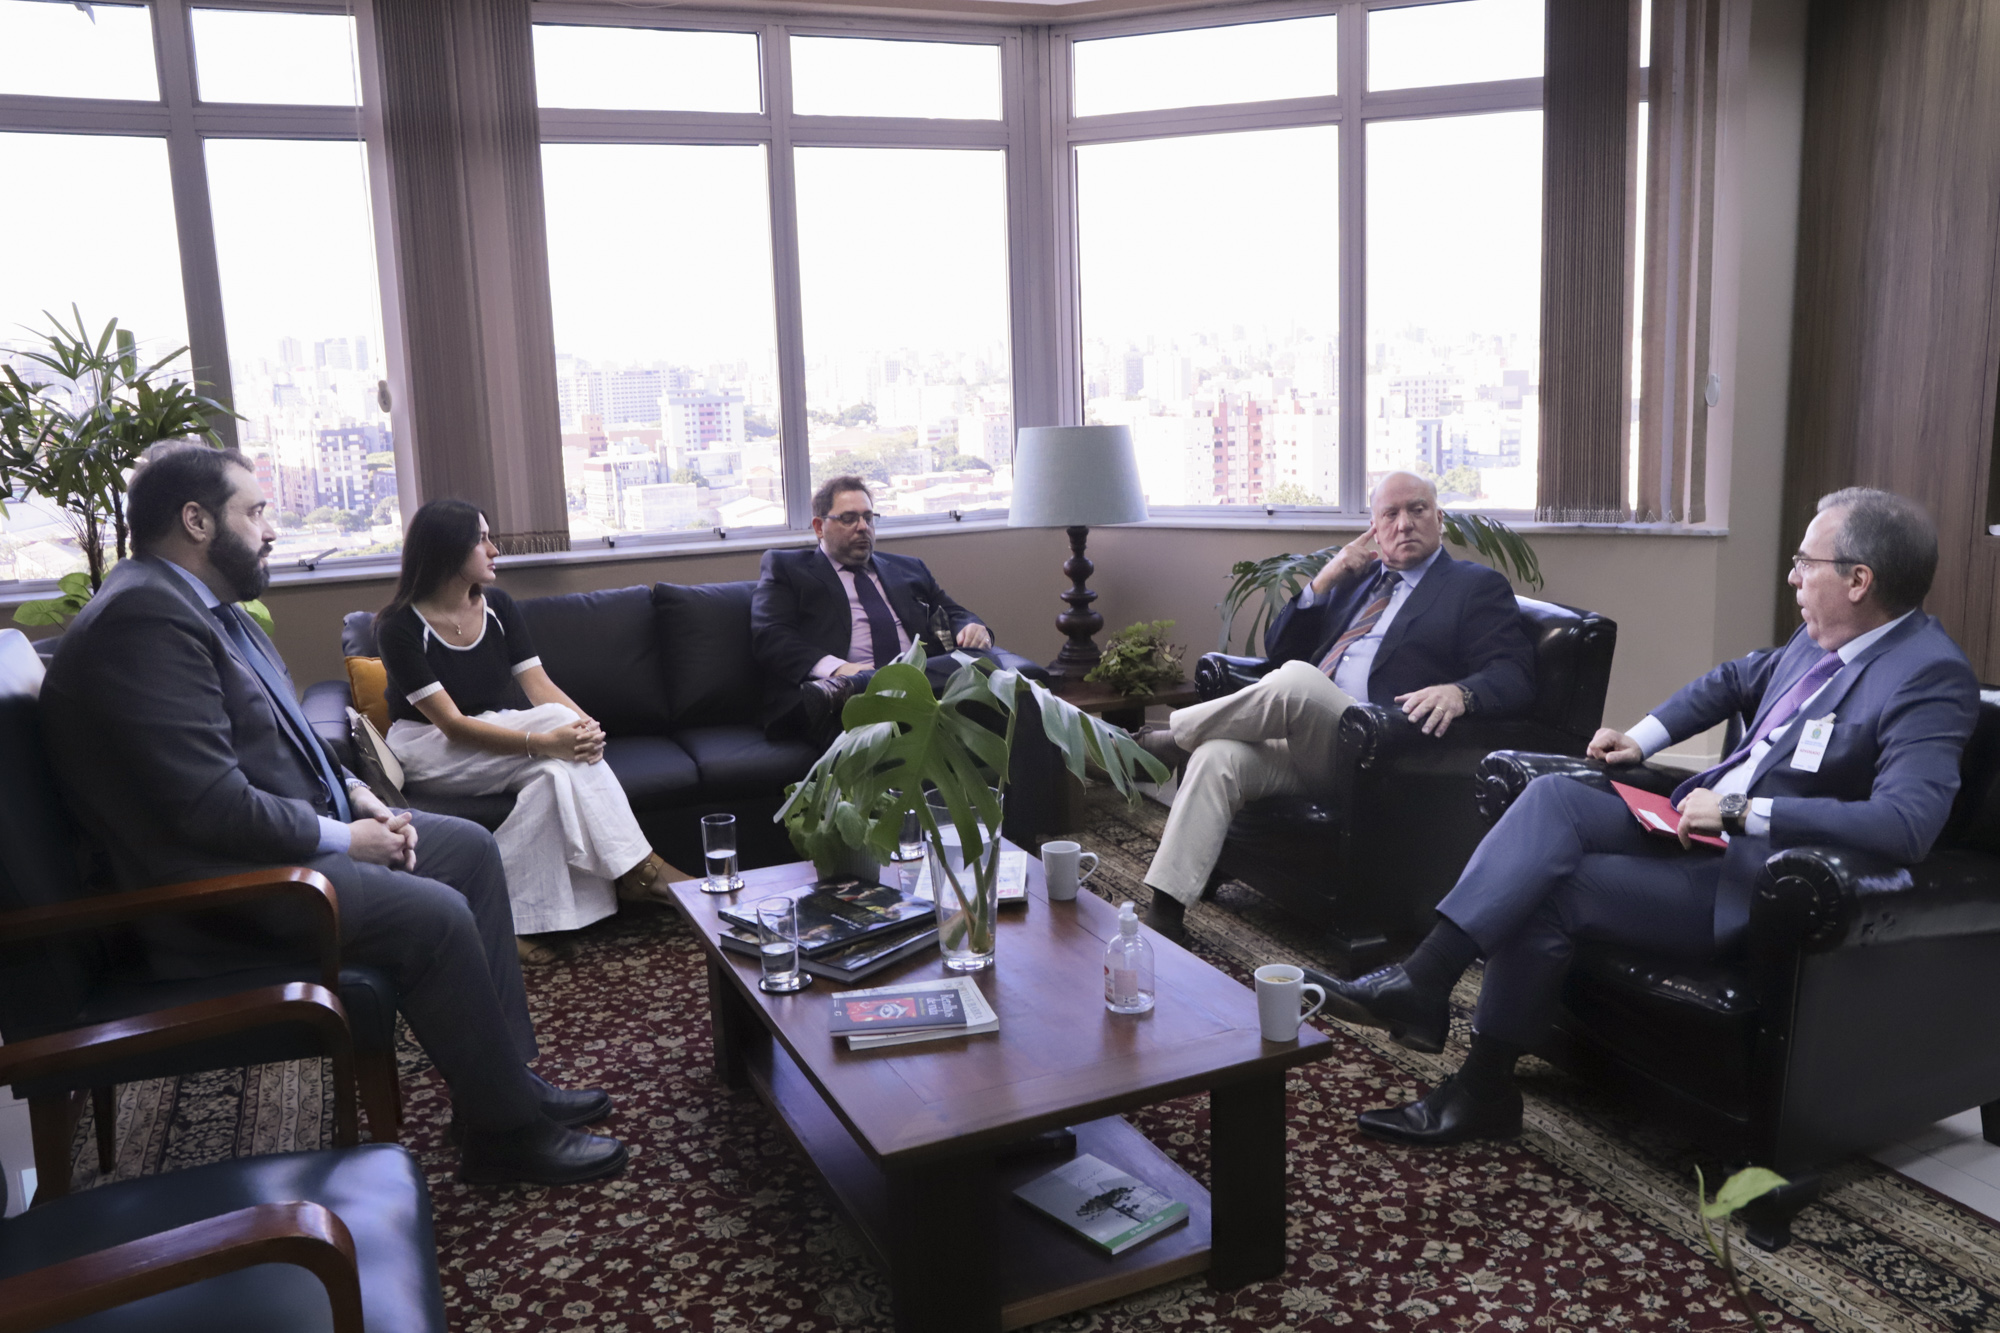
(1370, 854)
(669, 673)
(1864, 1007)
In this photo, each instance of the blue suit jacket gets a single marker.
(1460, 626)
(1903, 711)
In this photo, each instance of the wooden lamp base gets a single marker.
(1081, 653)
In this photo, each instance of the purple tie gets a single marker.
(1781, 712)
(881, 620)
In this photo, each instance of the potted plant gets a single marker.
(1278, 578)
(1138, 660)
(74, 439)
(906, 749)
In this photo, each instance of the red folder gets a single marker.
(1656, 814)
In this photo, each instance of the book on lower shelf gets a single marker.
(977, 1015)
(1110, 1209)
(1013, 877)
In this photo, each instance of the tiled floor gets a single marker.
(1953, 1159)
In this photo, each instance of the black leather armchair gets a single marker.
(71, 976)
(1370, 854)
(1861, 1010)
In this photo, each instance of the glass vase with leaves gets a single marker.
(907, 749)
(1277, 579)
(73, 438)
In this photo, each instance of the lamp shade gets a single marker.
(1075, 476)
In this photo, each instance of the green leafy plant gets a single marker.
(1277, 579)
(1746, 1185)
(900, 739)
(74, 438)
(1138, 660)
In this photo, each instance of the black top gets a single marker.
(482, 678)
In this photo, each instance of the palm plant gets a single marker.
(1278, 578)
(901, 739)
(73, 440)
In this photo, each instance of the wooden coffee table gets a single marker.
(910, 1139)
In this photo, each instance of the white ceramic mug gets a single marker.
(1281, 991)
(1063, 864)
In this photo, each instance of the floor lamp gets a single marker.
(1076, 477)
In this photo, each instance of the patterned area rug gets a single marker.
(1585, 1223)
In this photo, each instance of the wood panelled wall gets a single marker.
(1895, 356)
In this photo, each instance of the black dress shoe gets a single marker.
(1453, 1113)
(571, 1107)
(543, 1153)
(1166, 916)
(1387, 999)
(820, 701)
(568, 1107)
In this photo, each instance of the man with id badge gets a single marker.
(1855, 731)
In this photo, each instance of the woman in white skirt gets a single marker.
(473, 712)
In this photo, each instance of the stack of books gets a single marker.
(918, 1011)
(847, 930)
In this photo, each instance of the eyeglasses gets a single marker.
(853, 520)
(1799, 562)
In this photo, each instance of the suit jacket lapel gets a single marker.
(902, 590)
(1428, 590)
(841, 632)
(1829, 698)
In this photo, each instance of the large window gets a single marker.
(1309, 251)
(200, 176)
(823, 286)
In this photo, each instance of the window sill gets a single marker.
(640, 550)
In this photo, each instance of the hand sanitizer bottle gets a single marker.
(1128, 966)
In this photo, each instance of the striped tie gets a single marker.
(1384, 589)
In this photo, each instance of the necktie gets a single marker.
(1385, 588)
(297, 728)
(1781, 712)
(881, 621)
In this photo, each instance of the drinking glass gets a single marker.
(910, 842)
(778, 942)
(718, 845)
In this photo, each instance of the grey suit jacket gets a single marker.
(164, 741)
(1902, 711)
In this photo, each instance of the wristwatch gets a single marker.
(1471, 699)
(1735, 811)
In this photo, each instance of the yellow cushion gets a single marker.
(368, 681)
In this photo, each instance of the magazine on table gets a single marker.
(833, 916)
(979, 1015)
(851, 962)
(1110, 1209)
(1013, 877)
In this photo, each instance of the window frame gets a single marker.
(186, 123)
(1351, 108)
(779, 130)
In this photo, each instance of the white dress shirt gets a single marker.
(1651, 737)
(861, 635)
(334, 836)
(1352, 672)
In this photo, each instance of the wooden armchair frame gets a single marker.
(314, 1005)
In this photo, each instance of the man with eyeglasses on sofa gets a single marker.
(823, 619)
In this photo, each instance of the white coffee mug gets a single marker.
(1063, 864)
(1281, 990)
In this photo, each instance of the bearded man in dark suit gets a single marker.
(823, 619)
(1392, 620)
(179, 743)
